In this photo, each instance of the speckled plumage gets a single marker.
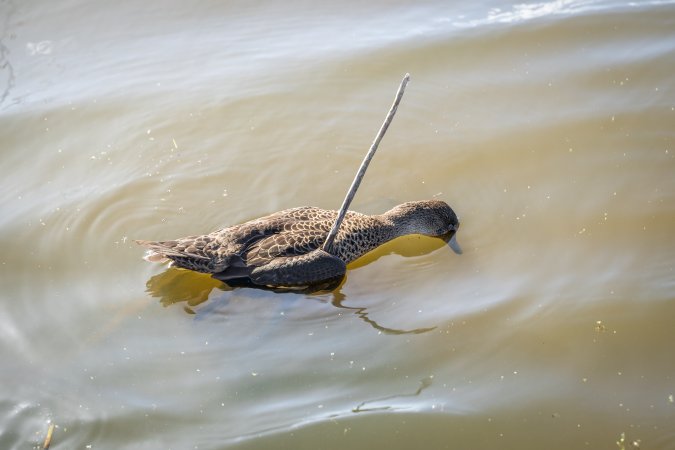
(284, 248)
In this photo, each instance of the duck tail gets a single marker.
(161, 252)
(155, 252)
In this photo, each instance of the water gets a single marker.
(548, 126)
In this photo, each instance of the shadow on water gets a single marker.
(178, 286)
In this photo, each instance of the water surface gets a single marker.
(548, 126)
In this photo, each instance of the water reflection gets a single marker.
(424, 383)
(175, 286)
(362, 313)
(408, 247)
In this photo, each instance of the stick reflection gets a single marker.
(424, 383)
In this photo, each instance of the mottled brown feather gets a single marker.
(284, 248)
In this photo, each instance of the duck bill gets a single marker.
(451, 239)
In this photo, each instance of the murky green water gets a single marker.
(549, 127)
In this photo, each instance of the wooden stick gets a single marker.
(328, 245)
(48, 438)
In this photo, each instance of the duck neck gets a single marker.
(369, 235)
(401, 224)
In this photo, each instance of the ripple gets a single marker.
(545, 124)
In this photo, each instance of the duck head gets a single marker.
(433, 218)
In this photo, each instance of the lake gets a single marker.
(548, 126)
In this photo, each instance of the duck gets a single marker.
(287, 249)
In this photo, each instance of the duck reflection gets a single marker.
(178, 286)
(175, 286)
(408, 247)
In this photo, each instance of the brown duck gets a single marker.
(286, 249)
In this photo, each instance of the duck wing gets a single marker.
(233, 251)
(290, 242)
(283, 251)
(313, 269)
